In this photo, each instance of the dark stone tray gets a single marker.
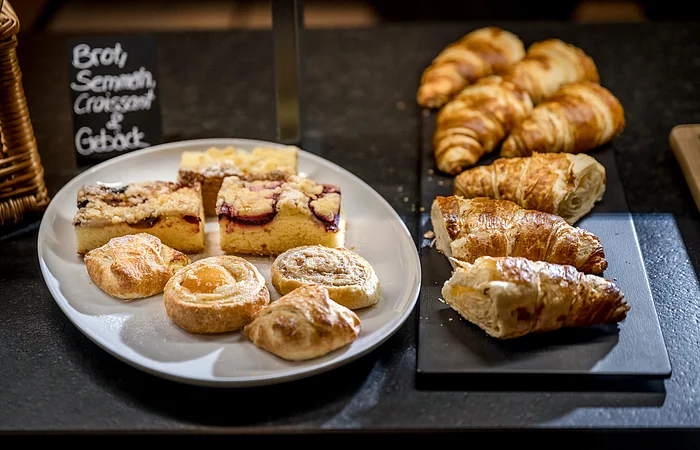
(452, 349)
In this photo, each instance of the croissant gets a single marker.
(467, 229)
(557, 183)
(476, 121)
(511, 297)
(576, 118)
(550, 64)
(480, 53)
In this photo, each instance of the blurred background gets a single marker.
(77, 16)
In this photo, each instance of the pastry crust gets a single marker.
(563, 184)
(482, 52)
(303, 324)
(349, 278)
(511, 297)
(215, 295)
(476, 121)
(577, 118)
(133, 266)
(549, 65)
(469, 229)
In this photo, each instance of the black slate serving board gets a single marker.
(452, 349)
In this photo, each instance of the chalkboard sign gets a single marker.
(114, 92)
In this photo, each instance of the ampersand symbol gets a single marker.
(114, 121)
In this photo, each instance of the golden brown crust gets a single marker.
(577, 118)
(349, 278)
(303, 324)
(476, 121)
(550, 64)
(215, 294)
(511, 297)
(563, 184)
(469, 229)
(483, 52)
(133, 266)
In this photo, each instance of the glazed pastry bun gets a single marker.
(216, 294)
(303, 324)
(133, 266)
(349, 278)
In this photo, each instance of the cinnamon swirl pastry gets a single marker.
(216, 294)
(349, 278)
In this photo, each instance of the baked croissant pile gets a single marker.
(482, 52)
(511, 297)
(557, 183)
(469, 229)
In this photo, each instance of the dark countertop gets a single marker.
(361, 115)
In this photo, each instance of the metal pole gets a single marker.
(287, 24)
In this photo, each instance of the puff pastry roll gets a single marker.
(476, 121)
(467, 229)
(482, 52)
(577, 118)
(511, 297)
(550, 64)
(557, 183)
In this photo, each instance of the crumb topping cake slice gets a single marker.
(213, 165)
(170, 211)
(270, 217)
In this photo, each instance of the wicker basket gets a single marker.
(22, 188)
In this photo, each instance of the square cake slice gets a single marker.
(270, 217)
(172, 212)
(210, 167)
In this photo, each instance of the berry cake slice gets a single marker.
(210, 167)
(270, 217)
(172, 212)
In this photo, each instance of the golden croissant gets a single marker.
(476, 121)
(467, 229)
(550, 64)
(511, 297)
(577, 118)
(557, 183)
(482, 52)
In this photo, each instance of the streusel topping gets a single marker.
(100, 205)
(263, 163)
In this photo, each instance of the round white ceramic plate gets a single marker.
(140, 333)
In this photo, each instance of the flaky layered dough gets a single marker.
(550, 64)
(511, 297)
(133, 266)
(476, 121)
(577, 118)
(469, 229)
(303, 324)
(483, 52)
(349, 278)
(563, 184)
(215, 294)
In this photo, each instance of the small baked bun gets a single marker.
(303, 324)
(349, 278)
(216, 294)
(133, 266)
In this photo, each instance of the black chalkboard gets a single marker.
(113, 81)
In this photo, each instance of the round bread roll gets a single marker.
(303, 324)
(349, 278)
(216, 294)
(133, 266)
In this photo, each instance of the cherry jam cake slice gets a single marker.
(211, 167)
(270, 217)
(173, 212)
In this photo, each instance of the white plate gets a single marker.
(140, 333)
